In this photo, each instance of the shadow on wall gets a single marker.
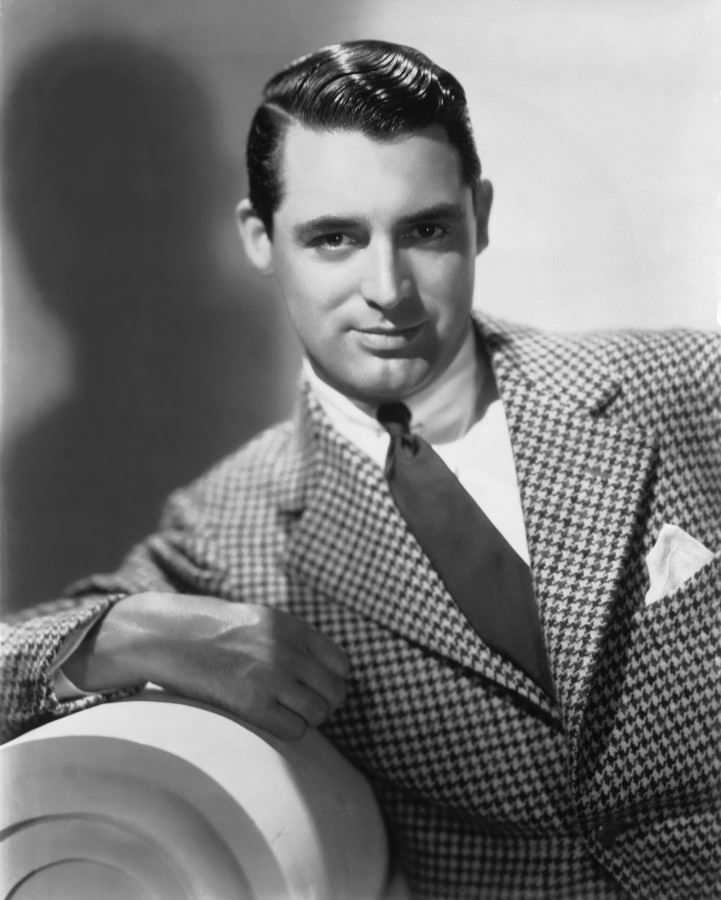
(115, 190)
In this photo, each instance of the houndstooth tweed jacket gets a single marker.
(490, 789)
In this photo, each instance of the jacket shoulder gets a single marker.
(263, 472)
(669, 374)
(658, 375)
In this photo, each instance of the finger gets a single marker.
(304, 702)
(328, 652)
(282, 723)
(314, 675)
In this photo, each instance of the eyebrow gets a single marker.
(448, 212)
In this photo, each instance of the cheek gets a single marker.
(318, 324)
(448, 292)
(314, 291)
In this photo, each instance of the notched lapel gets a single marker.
(582, 477)
(351, 546)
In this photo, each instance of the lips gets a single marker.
(393, 331)
(385, 338)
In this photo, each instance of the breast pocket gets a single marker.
(650, 745)
(671, 689)
(698, 595)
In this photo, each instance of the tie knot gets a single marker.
(395, 417)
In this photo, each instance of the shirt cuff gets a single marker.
(62, 686)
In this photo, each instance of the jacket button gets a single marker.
(608, 831)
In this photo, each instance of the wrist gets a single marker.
(117, 652)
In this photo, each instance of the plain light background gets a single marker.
(598, 123)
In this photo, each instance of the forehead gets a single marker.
(346, 172)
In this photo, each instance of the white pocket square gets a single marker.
(674, 558)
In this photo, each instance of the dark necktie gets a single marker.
(485, 576)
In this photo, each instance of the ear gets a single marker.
(483, 197)
(256, 240)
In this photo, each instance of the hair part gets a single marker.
(378, 88)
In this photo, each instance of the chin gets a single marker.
(382, 390)
(378, 381)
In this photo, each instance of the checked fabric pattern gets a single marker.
(489, 789)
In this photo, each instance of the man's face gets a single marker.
(374, 248)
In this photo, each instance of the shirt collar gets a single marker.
(441, 412)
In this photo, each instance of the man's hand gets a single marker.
(262, 665)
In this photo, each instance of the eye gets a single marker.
(332, 240)
(336, 240)
(427, 232)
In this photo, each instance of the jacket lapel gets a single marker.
(582, 477)
(349, 545)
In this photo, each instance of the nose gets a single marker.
(384, 281)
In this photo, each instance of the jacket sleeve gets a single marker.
(179, 558)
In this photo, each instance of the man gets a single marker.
(569, 749)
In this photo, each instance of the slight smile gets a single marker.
(385, 338)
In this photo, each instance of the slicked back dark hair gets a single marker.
(377, 88)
